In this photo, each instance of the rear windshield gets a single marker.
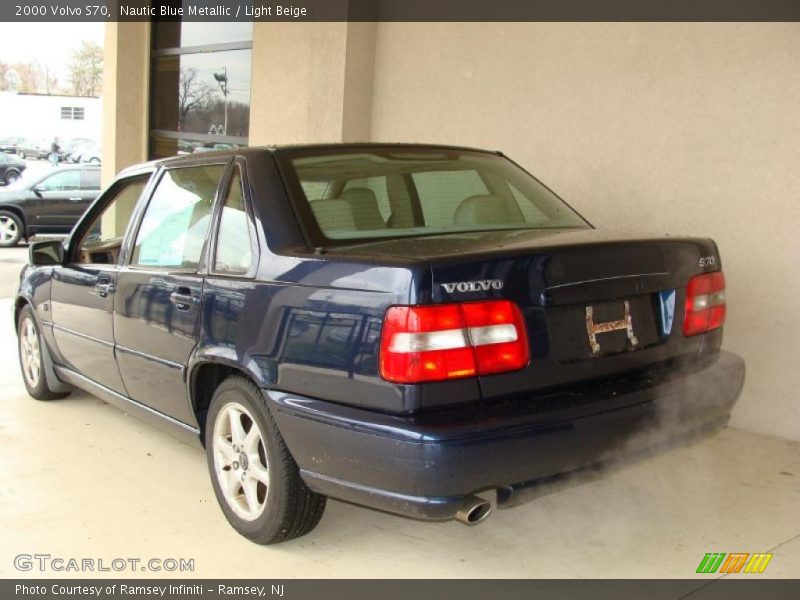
(354, 194)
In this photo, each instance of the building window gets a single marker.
(200, 87)
(69, 113)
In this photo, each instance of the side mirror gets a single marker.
(38, 189)
(48, 252)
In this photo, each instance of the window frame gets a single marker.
(240, 165)
(97, 208)
(129, 245)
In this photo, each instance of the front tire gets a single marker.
(21, 154)
(31, 357)
(11, 229)
(11, 177)
(255, 478)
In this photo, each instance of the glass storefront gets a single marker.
(200, 87)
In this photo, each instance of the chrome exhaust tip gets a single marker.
(474, 510)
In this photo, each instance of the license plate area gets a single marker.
(605, 329)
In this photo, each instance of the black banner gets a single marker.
(242, 589)
(400, 10)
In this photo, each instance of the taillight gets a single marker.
(451, 341)
(705, 303)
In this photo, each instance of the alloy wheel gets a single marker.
(240, 461)
(8, 230)
(29, 352)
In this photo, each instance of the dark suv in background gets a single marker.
(11, 168)
(49, 204)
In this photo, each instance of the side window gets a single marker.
(442, 192)
(90, 179)
(176, 220)
(103, 239)
(61, 182)
(234, 253)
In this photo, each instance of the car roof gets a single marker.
(253, 150)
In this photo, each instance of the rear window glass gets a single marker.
(350, 194)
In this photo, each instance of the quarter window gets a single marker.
(234, 252)
(175, 224)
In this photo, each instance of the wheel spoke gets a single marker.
(252, 439)
(251, 494)
(237, 429)
(225, 450)
(258, 472)
(231, 483)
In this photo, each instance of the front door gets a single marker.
(158, 301)
(82, 292)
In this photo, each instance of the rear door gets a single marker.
(159, 291)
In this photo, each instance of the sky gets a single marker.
(46, 43)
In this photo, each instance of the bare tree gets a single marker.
(5, 84)
(86, 70)
(193, 95)
(29, 77)
(49, 81)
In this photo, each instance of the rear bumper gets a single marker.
(425, 467)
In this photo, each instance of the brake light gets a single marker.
(452, 341)
(705, 303)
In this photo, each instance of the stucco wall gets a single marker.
(682, 128)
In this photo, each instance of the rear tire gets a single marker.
(21, 154)
(31, 358)
(11, 229)
(11, 177)
(255, 478)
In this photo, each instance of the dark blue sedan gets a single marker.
(424, 330)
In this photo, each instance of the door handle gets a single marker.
(182, 298)
(104, 289)
(78, 199)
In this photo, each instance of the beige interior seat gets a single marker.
(486, 209)
(334, 215)
(366, 212)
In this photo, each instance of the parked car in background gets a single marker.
(11, 168)
(91, 155)
(73, 149)
(29, 148)
(405, 327)
(9, 144)
(49, 204)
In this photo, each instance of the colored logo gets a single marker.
(667, 300)
(735, 562)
